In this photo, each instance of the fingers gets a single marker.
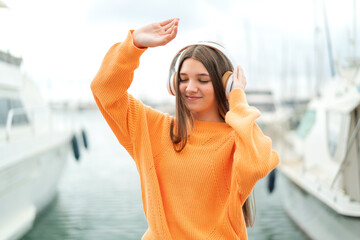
(239, 78)
(171, 35)
(169, 27)
(242, 77)
(166, 22)
(174, 31)
(171, 32)
(167, 31)
(235, 74)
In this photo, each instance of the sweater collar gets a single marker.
(210, 126)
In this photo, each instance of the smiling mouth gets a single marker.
(192, 98)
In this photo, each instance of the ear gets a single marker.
(227, 81)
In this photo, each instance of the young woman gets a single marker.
(198, 169)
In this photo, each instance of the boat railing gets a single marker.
(26, 112)
(346, 158)
(8, 58)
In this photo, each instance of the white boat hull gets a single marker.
(28, 181)
(314, 218)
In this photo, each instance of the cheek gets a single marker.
(182, 87)
(209, 91)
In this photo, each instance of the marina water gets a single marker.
(99, 197)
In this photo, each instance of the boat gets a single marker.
(320, 164)
(321, 170)
(33, 150)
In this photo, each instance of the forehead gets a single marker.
(192, 65)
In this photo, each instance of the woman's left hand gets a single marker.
(239, 78)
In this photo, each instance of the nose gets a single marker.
(191, 87)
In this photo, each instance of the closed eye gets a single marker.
(204, 81)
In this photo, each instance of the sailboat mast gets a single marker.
(328, 40)
(354, 31)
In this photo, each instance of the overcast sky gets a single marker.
(63, 42)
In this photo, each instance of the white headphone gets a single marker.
(227, 78)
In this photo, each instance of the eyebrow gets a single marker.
(200, 74)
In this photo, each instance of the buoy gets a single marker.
(84, 137)
(75, 147)
(271, 181)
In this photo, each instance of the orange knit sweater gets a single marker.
(199, 192)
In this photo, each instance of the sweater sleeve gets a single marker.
(254, 157)
(127, 117)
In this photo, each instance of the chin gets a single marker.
(193, 109)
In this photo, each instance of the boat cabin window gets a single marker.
(4, 108)
(307, 122)
(337, 125)
(6, 104)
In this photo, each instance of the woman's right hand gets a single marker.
(156, 34)
(239, 78)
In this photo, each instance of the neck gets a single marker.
(206, 117)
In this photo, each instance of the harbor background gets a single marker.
(99, 196)
(282, 45)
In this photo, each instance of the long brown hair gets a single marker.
(216, 64)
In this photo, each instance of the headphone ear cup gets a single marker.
(171, 85)
(228, 82)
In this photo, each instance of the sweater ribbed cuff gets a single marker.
(237, 96)
(132, 49)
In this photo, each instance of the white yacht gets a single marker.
(321, 167)
(33, 150)
(320, 163)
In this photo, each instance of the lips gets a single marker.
(192, 98)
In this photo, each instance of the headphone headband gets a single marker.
(214, 45)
